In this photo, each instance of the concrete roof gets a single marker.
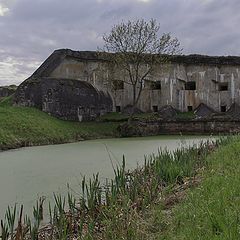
(59, 55)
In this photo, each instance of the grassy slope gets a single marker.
(20, 126)
(210, 211)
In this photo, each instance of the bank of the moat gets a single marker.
(47, 169)
(25, 126)
(158, 200)
(21, 127)
(198, 127)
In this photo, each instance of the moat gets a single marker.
(29, 173)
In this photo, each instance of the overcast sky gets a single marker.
(30, 30)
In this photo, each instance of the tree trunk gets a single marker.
(134, 95)
(134, 103)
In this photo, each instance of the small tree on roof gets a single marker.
(138, 48)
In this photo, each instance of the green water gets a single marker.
(28, 173)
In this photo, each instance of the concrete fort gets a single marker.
(79, 85)
(6, 91)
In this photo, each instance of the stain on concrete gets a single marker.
(6, 91)
(64, 98)
(216, 81)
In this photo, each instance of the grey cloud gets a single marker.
(33, 29)
(121, 12)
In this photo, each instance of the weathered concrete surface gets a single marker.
(184, 83)
(168, 112)
(64, 98)
(6, 91)
(203, 111)
(179, 127)
(208, 73)
(234, 111)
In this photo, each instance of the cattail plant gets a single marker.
(11, 217)
(109, 211)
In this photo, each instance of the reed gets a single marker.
(110, 211)
(11, 218)
(4, 231)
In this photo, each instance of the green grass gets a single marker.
(114, 210)
(185, 115)
(131, 206)
(23, 126)
(211, 211)
(113, 117)
(121, 117)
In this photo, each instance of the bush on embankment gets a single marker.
(117, 209)
(24, 126)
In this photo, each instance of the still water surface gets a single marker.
(28, 173)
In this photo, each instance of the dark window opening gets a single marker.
(49, 92)
(223, 86)
(118, 85)
(190, 86)
(155, 108)
(223, 108)
(190, 108)
(81, 110)
(92, 109)
(156, 85)
(118, 108)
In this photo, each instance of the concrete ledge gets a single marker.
(178, 127)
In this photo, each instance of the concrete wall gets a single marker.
(64, 98)
(179, 127)
(6, 91)
(209, 80)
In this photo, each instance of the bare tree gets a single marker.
(138, 47)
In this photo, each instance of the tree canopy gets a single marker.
(138, 47)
